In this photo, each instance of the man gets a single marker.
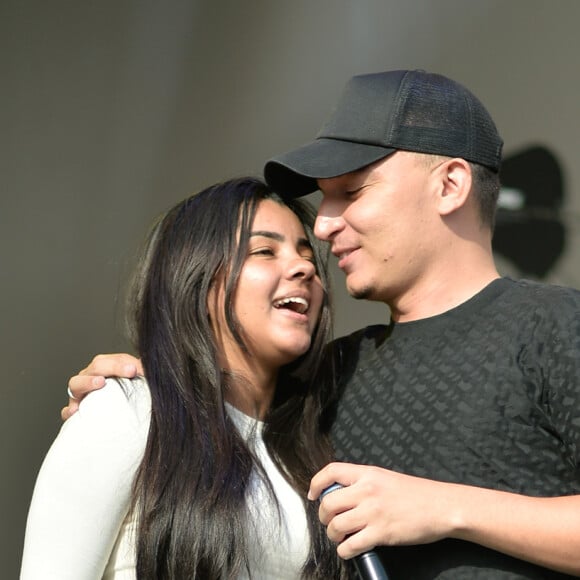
(458, 423)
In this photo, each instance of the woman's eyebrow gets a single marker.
(302, 242)
(267, 234)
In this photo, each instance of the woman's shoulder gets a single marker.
(119, 401)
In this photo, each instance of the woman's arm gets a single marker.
(83, 489)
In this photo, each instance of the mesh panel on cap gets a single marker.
(439, 116)
(486, 139)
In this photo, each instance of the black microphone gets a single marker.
(368, 564)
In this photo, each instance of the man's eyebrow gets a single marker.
(302, 242)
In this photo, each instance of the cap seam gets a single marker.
(399, 97)
(472, 132)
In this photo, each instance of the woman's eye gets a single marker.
(262, 252)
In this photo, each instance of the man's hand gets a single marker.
(381, 507)
(93, 377)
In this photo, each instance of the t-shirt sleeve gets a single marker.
(83, 489)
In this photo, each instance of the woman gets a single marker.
(202, 471)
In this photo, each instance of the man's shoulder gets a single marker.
(552, 300)
(540, 290)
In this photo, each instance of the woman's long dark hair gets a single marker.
(190, 490)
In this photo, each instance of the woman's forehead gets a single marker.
(274, 216)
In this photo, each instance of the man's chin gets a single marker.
(364, 293)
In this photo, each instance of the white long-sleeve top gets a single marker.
(79, 526)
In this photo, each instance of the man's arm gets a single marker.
(382, 507)
(93, 377)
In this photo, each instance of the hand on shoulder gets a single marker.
(93, 377)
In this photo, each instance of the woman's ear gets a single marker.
(455, 185)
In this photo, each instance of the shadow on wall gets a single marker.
(530, 231)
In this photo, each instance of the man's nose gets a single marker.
(325, 227)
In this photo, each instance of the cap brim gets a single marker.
(294, 174)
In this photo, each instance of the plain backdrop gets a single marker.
(111, 111)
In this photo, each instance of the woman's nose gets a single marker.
(302, 268)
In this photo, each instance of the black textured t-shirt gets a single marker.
(487, 394)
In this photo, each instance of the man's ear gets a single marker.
(455, 184)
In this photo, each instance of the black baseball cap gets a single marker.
(381, 113)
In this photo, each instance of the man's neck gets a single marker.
(440, 294)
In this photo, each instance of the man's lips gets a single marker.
(343, 255)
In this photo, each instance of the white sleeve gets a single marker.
(83, 489)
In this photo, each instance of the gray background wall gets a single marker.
(111, 111)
